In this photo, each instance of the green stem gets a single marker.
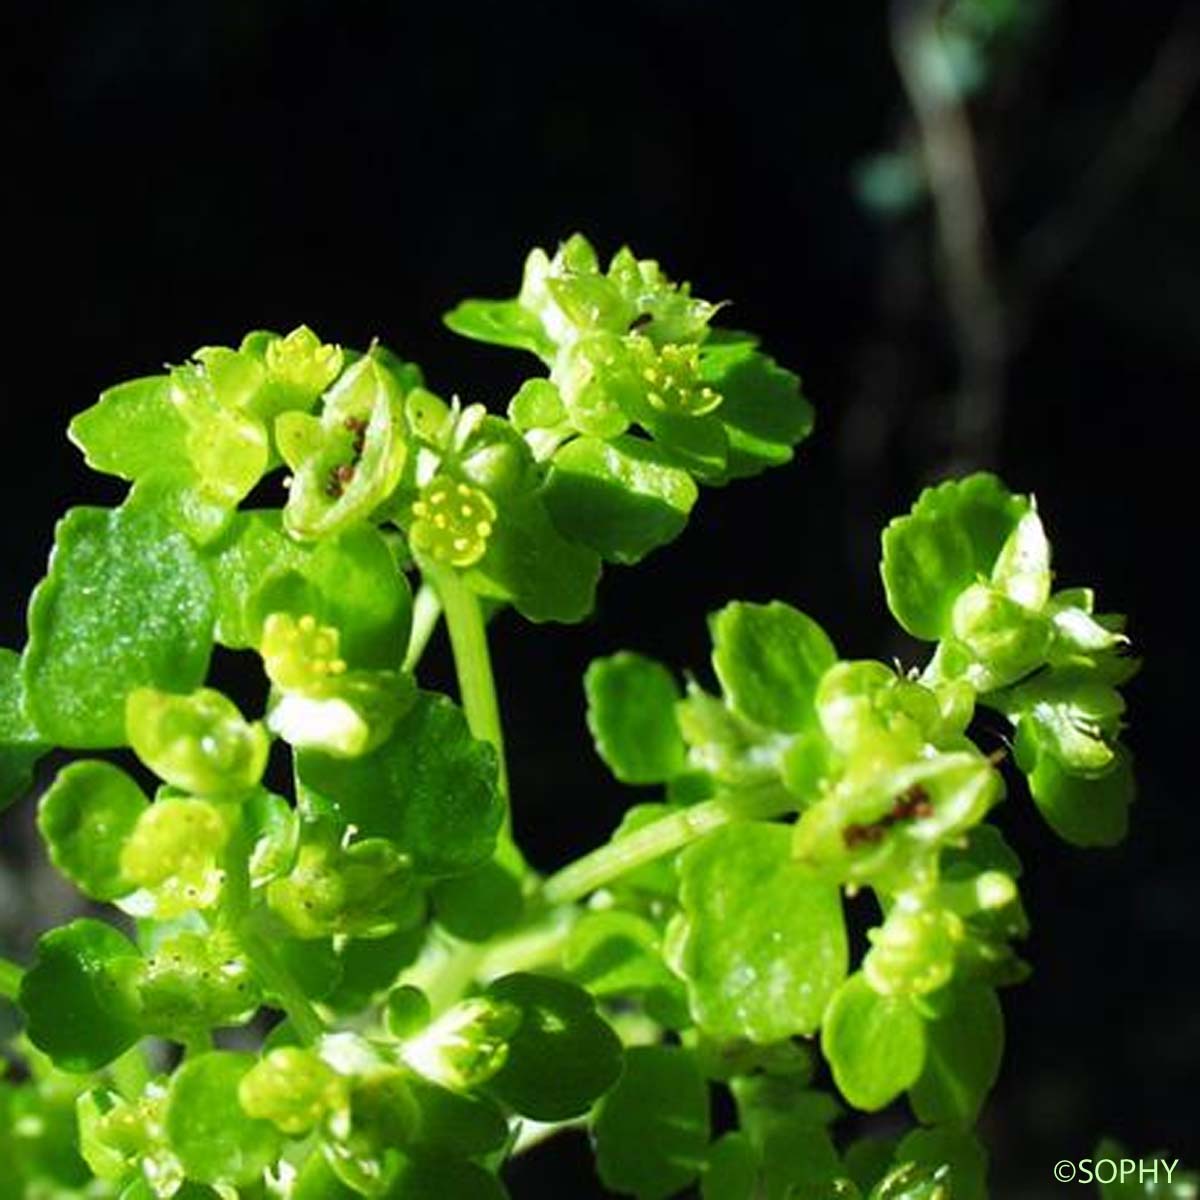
(277, 980)
(472, 661)
(529, 947)
(10, 979)
(427, 610)
(444, 971)
(131, 1073)
(672, 832)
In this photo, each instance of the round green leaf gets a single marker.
(950, 540)
(631, 713)
(528, 562)
(85, 818)
(651, 1131)
(502, 323)
(477, 906)
(349, 581)
(762, 409)
(126, 603)
(76, 1006)
(875, 1044)
(209, 1131)
(964, 1047)
(431, 788)
(622, 497)
(769, 659)
(456, 1124)
(762, 944)
(563, 1056)
(731, 1172)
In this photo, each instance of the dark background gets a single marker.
(177, 173)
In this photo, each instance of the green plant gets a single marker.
(443, 1006)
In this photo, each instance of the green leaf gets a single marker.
(763, 944)
(349, 581)
(20, 743)
(215, 1140)
(617, 953)
(875, 1044)
(133, 430)
(1022, 569)
(769, 659)
(731, 1171)
(950, 540)
(85, 818)
(501, 323)
(1085, 811)
(529, 563)
(76, 1005)
(788, 1125)
(369, 966)
(957, 1148)
(477, 906)
(431, 788)
(126, 603)
(420, 1177)
(563, 1056)
(762, 408)
(1069, 714)
(456, 1124)
(964, 1047)
(631, 713)
(651, 1131)
(622, 498)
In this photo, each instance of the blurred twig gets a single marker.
(1157, 103)
(965, 254)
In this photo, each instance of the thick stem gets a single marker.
(652, 841)
(10, 979)
(472, 661)
(277, 980)
(427, 611)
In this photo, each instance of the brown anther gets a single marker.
(640, 321)
(859, 835)
(911, 803)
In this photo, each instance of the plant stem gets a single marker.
(427, 610)
(277, 979)
(528, 947)
(10, 979)
(614, 859)
(131, 1072)
(472, 661)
